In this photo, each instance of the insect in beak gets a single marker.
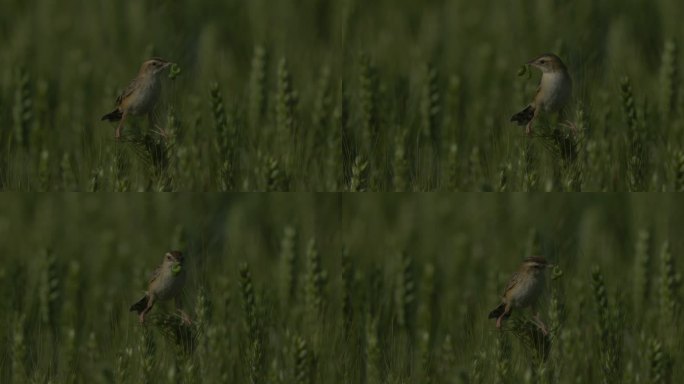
(176, 268)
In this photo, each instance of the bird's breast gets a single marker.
(556, 89)
(144, 98)
(527, 292)
(168, 284)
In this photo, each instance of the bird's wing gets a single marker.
(536, 94)
(127, 92)
(155, 274)
(511, 283)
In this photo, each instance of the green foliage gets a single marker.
(333, 95)
(22, 112)
(398, 290)
(372, 354)
(637, 150)
(406, 294)
(225, 145)
(358, 182)
(147, 348)
(348, 289)
(642, 272)
(49, 293)
(608, 328)
(369, 100)
(304, 361)
(254, 340)
(336, 288)
(286, 108)
(19, 352)
(502, 350)
(257, 87)
(660, 363)
(315, 280)
(289, 260)
(670, 281)
(669, 81)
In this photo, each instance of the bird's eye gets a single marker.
(542, 61)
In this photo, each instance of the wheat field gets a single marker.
(341, 95)
(308, 96)
(340, 289)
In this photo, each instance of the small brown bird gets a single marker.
(141, 95)
(553, 93)
(166, 283)
(523, 290)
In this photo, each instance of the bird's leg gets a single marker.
(150, 304)
(500, 318)
(540, 324)
(117, 134)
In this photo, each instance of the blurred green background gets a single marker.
(440, 86)
(64, 62)
(382, 95)
(393, 288)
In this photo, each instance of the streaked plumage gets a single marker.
(523, 288)
(166, 282)
(141, 95)
(553, 93)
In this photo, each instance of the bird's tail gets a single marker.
(140, 305)
(525, 116)
(498, 311)
(114, 115)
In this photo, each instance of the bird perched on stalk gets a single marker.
(141, 95)
(523, 290)
(553, 93)
(166, 283)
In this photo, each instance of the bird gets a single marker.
(523, 290)
(166, 283)
(141, 95)
(553, 93)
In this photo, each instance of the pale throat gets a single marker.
(553, 80)
(555, 89)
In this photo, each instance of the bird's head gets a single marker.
(536, 264)
(154, 66)
(174, 260)
(547, 63)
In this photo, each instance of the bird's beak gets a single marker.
(176, 268)
(168, 64)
